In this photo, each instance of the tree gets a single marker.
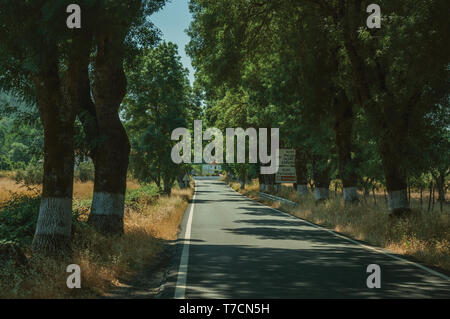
(41, 62)
(335, 69)
(47, 63)
(21, 133)
(159, 101)
(395, 72)
(121, 28)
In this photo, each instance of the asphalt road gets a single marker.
(233, 247)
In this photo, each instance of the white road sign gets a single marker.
(286, 171)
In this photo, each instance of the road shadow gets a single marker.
(305, 234)
(238, 271)
(258, 210)
(271, 222)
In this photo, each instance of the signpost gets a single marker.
(286, 171)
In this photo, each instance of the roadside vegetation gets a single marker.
(425, 235)
(352, 101)
(85, 118)
(150, 221)
(87, 115)
(368, 120)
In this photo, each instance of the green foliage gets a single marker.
(32, 175)
(21, 134)
(18, 219)
(159, 100)
(144, 194)
(18, 153)
(287, 63)
(85, 172)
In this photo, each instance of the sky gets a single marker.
(173, 20)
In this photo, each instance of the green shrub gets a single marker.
(33, 174)
(144, 194)
(5, 162)
(18, 219)
(85, 172)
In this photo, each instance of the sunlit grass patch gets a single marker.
(81, 190)
(9, 188)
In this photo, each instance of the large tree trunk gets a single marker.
(301, 172)
(398, 203)
(343, 129)
(270, 186)
(88, 117)
(168, 182)
(53, 230)
(439, 178)
(180, 182)
(260, 180)
(113, 147)
(321, 175)
(59, 102)
(242, 175)
(167, 190)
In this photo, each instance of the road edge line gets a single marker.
(180, 286)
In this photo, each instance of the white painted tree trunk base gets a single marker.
(54, 226)
(321, 193)
(302, 190)
(55, 217)
(350, 194)
(108, 204)
(398, 200)
(107, 213)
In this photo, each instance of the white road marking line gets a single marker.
(378, 250)
(180, 288)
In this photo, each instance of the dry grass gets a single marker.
(85, 190)
(424, 236)
(104, 261)
(161, 217)
(6, 174)
(8, 187)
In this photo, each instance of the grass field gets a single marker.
(8, 188)
(150, 220)
(425, 236)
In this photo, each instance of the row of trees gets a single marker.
(20, 134)
(358, 104)
(70, 74)
(160, 99)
